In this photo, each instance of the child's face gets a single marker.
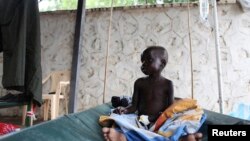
(151, 63)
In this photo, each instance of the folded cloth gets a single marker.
(182, 118)
(181, 124)
(7, 96)
(21, 98)
(177, 107)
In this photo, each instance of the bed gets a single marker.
(83, 126)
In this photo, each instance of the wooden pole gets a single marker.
(218, 58)
(107, 51)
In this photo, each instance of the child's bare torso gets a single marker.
(153, 96)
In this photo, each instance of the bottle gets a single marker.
(204, 9)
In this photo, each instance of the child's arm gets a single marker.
(170, 93)
(133, 106)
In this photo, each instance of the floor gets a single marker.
(13, 120)
(16, 120)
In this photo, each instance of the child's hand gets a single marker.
(120, 110)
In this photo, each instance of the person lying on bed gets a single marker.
(152, 94)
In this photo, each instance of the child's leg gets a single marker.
(192, 137)
(110, 134)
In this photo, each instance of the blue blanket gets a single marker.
(171, 130)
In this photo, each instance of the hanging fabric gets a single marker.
(21, 45)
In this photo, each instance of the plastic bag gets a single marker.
(6, 128)
(245, 4)
(241, 110)
(204, 9)
(159, 1)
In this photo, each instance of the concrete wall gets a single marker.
(135, 29)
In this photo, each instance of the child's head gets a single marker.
(154, 59)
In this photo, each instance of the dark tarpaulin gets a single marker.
(21, 46)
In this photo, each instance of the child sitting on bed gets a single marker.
(152, 94)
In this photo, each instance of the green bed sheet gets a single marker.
(11, 104)
(83, 126)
